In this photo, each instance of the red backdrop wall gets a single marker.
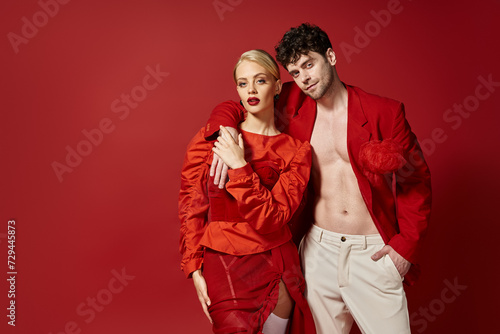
(100, 98)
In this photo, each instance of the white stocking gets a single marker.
(274, 325)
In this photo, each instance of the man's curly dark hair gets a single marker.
(300, 41)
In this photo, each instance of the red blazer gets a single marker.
(400, 206)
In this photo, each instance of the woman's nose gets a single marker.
(251, 88)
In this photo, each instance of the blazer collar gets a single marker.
(355, 109)
(357, 121)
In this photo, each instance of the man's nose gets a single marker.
(305, 77)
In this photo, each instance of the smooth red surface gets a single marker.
(118, 207)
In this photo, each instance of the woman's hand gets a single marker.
(232, 153)
(201, 289)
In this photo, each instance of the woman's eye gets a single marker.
(261, 81)
(242, 84)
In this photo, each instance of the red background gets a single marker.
(118, 208)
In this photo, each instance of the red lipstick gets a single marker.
(253, 101)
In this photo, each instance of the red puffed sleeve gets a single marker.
(193, 202)
(413, 191)
(268, 210)
(228, 113)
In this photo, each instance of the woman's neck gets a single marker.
(262, 123)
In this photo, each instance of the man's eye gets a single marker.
(309, 65)
(295, 74)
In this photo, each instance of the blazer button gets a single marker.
(342, 239)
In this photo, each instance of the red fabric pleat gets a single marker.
(244, 289)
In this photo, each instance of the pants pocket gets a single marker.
(392, 267)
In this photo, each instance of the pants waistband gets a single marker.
(321, 235)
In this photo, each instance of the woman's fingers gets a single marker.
(220, 145)
(226, 135)
(223, 141)
(202, 291)
(218, 170)
(223, 176)
(205, 303)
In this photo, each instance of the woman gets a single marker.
(235, 242)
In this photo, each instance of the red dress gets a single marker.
(240, 234)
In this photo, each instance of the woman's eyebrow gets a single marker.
(241, 78)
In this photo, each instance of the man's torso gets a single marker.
(339, 205)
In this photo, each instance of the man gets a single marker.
(371, 192)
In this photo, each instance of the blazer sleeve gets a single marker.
(231, 113)
(193, 202)
(413, 191)
(227, 113)
(268, 210)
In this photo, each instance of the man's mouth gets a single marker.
(311, 86)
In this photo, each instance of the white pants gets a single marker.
(344, 283)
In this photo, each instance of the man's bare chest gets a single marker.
(329, 139)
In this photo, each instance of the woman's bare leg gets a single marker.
(277, 321)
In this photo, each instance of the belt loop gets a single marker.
(320, 236)
(364, 242)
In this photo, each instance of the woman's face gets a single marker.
(256, 87)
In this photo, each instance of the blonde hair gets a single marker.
(262, 58)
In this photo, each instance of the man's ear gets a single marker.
(331, 57)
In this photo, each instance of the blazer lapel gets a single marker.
(302, 122)
(358, 133)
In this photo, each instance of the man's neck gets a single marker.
(335, 99)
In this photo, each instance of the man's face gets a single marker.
(313, 73)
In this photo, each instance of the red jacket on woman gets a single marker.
(251, 214)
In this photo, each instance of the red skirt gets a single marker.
(244, 289)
